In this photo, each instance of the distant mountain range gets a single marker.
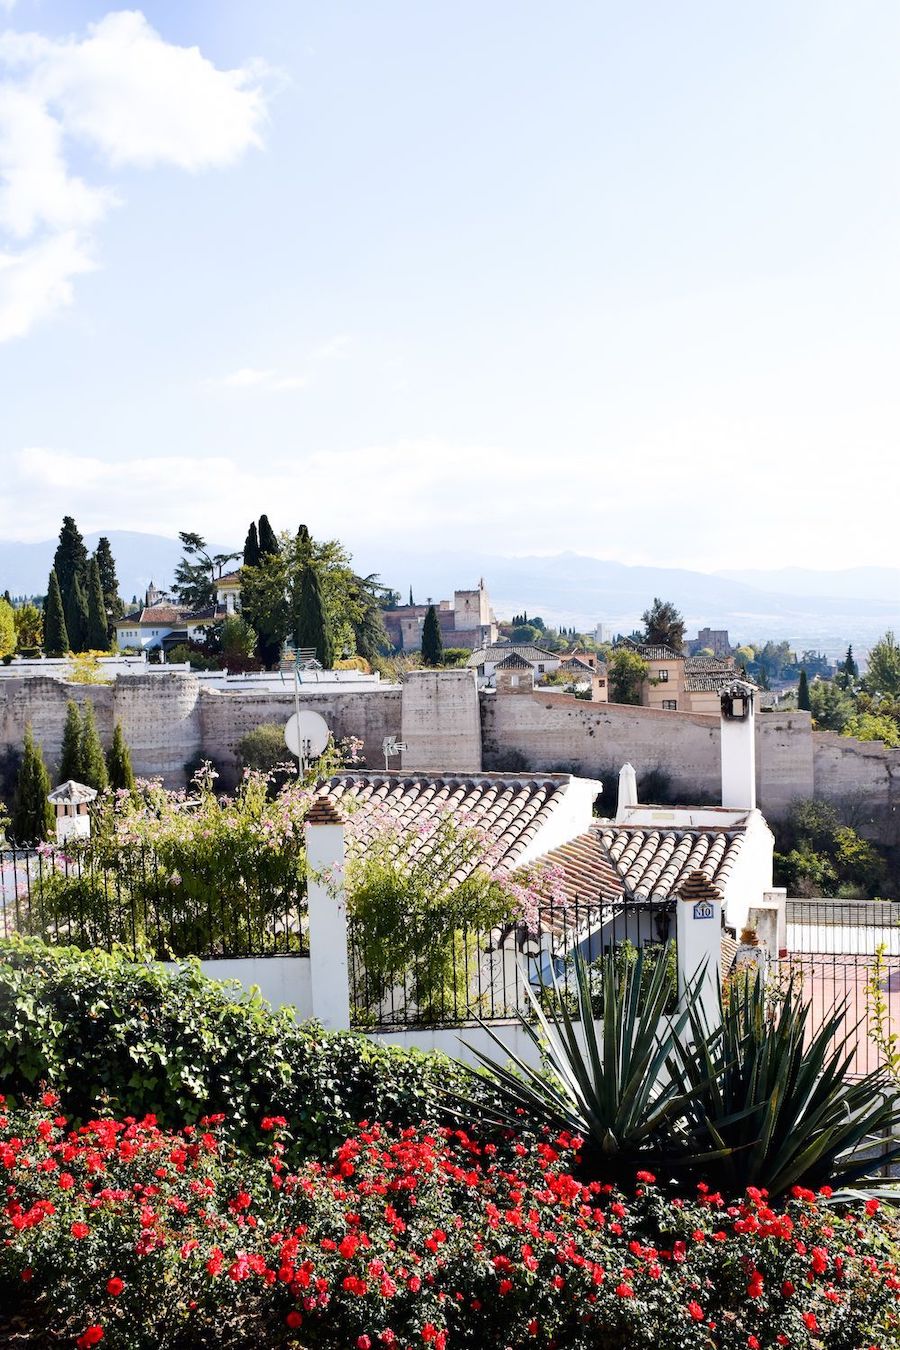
(825, 610)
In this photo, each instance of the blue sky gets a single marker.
(518, 277)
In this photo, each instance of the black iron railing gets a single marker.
(433, 970)
(132, 898)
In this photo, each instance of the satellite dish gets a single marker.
(306, 735)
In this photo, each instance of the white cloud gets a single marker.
(132, 98)
(249, 377)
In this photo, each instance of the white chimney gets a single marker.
(627, 791)
(738, 743)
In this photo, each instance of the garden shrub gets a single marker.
(124, 1235)
(109, 1033)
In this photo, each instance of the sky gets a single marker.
(514, 277)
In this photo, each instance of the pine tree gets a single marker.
(851, 669)
(310, 624)
(268, 539)
(118, 762)
(32, 815)
(112, 601)
(97, 636)
(803, 693)
(93, 761)
(432, 642)
(71, 557)
(251, 547)
(71, 765)
(56, 635)
(77, 620)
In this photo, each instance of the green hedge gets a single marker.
(114, 1035)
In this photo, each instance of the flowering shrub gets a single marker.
(120, 1234)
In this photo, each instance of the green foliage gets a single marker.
(883, 667)
(627, 672)
(75, 602)
(626, 955)
(71, 557)
(831, 706)
(32, 817)
(118, 763)
(93, 760)
(56, 636)
(251, 553)
(870, 726)
(29, 621)
(109, 582)
(112, 1034)
(197, 572)
(818, 855)
(311, 626)
(7, 629)
(432, 642)
(772, 1102)
(97, 633)
(414, 924)
(263, 749)
(663, 625)
(803, 703)
(454, 657)
(71, 764)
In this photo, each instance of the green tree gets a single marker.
(268, 539)
(873, 726)
(71, 557)
(411, 601)
(56, 635)
(663, 625)
(627, 672)
(197, 572)
(109, 582)
(71, 762)
(7, 629)
(830, 706)
(118, 762)
(93, 760)
(32, 815)
(432, 642)
(251, 547)
(311, 627)
(265, 604)
(97, 636)
(803, 693)
(77, 620)
(29, 623)
(883, 669)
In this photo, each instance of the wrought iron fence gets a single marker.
(129, 897)
(846, 954)
(434, 970)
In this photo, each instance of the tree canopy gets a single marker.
(663, 625)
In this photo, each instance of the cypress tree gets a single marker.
(71, 557)
(432, 642)
(411, 600)
(803, 693)
(251, 547)
(268, 540)
(97, 637)
(93, 760)
(118, 762)
(71, 764)
(77, 619)
(112, 601)
(56, 635)
(32, 815)
(851, 669)
(310, 623)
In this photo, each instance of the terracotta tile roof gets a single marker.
(170, 616)
(710, 681)
(497, 651)
(229, 579)
(511, 809)
(323, 812)
(613, 860)
(698, 665)
(652, 651)
(514, 662)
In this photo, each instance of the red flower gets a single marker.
(363, 1343)
(624, 1291)
(81, 1230)
(294, 1319)
(752, 1343)
(115, 1286)
(755, 1285)
(695, 1310)
(92, 1335)
(788, 1289)
(809, 1320)
(872, 1206)
(647, 1177)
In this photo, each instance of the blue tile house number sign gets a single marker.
(703, 910)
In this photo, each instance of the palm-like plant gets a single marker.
(772, 1104)
(614, 1090)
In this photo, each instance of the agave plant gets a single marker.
(772, 1102)
(615, 1089)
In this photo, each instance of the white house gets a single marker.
(486, 659)
(164, 625)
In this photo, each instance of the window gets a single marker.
(540, 670)
(670, 704)
(663, 677)
(514, 681)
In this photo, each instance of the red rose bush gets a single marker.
(120, 1234)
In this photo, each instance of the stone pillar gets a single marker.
(699, 937)
(327, 908)
(769, 918)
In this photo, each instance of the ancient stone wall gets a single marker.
(441, 725)
(862, 779)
